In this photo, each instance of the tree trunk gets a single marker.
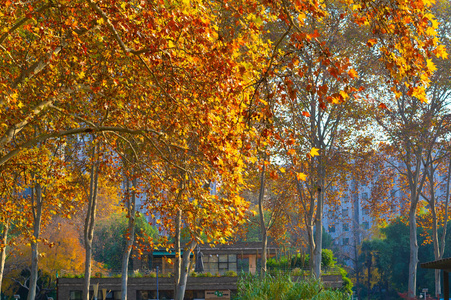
(183, 278)
(178, 258)
(413, 262)
(435, 242)
(309, 226)
(36, 198)
(3, 252)
(441, 243)
(311, 239)
(89, 224)
(130, 239)
(262, 222)
(316, 259)
(370, 262)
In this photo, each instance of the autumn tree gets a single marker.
(440, 90)
(413, 128)
(109, 241)
(174, 72)
(314, 113)
(436, 194)
(41, 192)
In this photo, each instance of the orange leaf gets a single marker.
(301, 176)
(371, 42)
(352, 73)
(305, 114)
(382, 106)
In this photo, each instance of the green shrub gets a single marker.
(281, 264)
(137, 274)
(193, 274)
(230, 274)
(281, 287)
(208, 274)
(327, 258)
(300, 260)
(297, 272)
(347, 283)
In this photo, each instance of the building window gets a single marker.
(345, 241)
(345, 213)
(330, 215)
(76, 295)
(243, 264)
(331, 228)
(220, 263)
(145, 295)
(365, 225)
(365, 211)
(345, 227)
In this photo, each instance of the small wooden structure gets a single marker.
(441, 264)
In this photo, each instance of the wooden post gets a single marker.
(445, 285)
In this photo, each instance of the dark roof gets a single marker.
(237, 247)
(240, 246)
(443, 264)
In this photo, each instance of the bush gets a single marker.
(193, 274)
(327, 258)
(301, 261)
(137, 274)
(297, 272)
(230, 274)
(281, 287)
(281, 264)
(347, 283)
(208, 274)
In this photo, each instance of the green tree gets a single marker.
(109, 242)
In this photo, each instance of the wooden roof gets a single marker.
(442, 264)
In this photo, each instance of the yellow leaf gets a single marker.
(314, 152)
(441, 52)
(301, 176)
(419, 93)
(431, 66)
(282, 170)
(352, 73)
(344, 95)
(81, 74)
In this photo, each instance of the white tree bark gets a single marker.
(185, 265)
(262, 222)
(131, 210)
(36, 198)
(90, 223)
(3, 252)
